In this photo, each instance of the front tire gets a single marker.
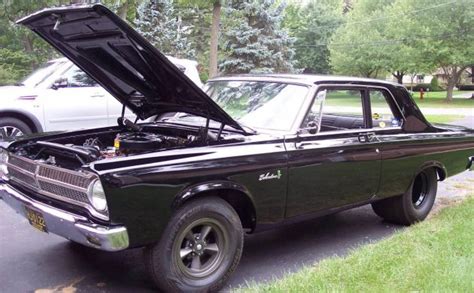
(199, 249)
(413, 206)
(11, 128)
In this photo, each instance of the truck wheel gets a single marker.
(199, 249)
(414, 205)
(13, 127)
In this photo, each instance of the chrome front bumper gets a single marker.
(71, 226)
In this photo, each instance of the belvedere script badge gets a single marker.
(269, 176)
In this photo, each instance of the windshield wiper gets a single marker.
(253, 131)
(19, 84)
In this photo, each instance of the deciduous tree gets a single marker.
(313, 24)
(443, 35)
(359, 47)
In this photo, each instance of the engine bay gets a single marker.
(79, 149)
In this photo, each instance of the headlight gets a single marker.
(3, 163)
(97, 197)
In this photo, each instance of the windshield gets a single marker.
(40, 74)
(258, 104)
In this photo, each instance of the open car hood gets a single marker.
(123, 62)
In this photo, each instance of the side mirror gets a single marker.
(312, 127)
(60, 83)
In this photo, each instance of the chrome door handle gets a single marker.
(367, 137)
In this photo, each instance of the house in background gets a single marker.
(467, 78)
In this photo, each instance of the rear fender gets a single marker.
(439, 167)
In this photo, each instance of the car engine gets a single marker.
(76, 151)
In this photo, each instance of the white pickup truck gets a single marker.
(60, 96)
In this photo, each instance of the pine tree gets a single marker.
(254, 40)
(159, 24)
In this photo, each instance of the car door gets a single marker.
(74, 101)
(334, 161)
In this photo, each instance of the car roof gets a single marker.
(308, 79)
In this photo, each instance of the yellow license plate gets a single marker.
(36, 219)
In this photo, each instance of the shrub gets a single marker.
(465, 87)
(7, 76)
(13, 65)
(425, 87)
(434, 85)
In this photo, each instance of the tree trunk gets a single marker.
(28, 43)
(412, 78)
(449, 90)
(28, 46)
(452, 75)
(216, 16)
(123, 10)
(472, 74)
(399, 76)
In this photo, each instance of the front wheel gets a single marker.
(414, 205)
(200, 248)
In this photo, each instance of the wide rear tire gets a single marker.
(413, 206)
(199, 249)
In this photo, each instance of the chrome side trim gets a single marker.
(348, 131)
(71, 226)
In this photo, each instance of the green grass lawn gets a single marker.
(437, 100)
(433, 256)
(443, 118)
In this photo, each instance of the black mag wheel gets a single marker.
(415, 204)
(199, 249)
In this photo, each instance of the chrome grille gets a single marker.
(75, 195)
(65, 177)
(22, 163)
(23, 177)
(59, 183)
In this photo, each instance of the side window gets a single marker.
(342, 110)
(78, 78)
(382, 111)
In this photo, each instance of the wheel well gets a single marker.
(23, 118)
(238, 200)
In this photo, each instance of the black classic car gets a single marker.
(248, 153)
